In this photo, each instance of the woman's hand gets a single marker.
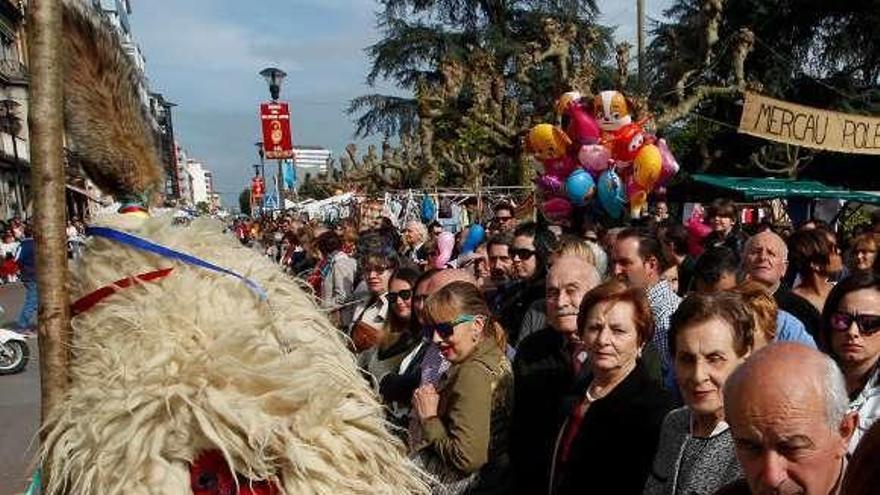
(425, 401)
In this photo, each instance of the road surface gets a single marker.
(19, 408)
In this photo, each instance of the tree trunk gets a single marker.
(47, 160)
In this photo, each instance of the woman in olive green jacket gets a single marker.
(465, 420)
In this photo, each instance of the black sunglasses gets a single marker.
(521, 253)
(867, 324)
(446, 329)
(503, 219)
(404, 295)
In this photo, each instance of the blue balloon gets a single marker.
(429, 210)
(578, 186)
(611, 193)
(476, 234)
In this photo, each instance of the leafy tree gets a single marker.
(244, 201)
(814, 52)
(480, 73)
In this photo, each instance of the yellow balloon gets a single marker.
(647, 166)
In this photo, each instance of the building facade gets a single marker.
(14, 143)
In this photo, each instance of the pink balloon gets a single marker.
(582, 127)
(555, 173)
(594, 157)
(445, 243)
(668, 165)
(557, 208)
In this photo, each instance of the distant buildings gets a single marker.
(310, 160)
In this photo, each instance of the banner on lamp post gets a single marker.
(275, 121)
(288, 173)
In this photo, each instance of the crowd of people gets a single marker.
(646, 359)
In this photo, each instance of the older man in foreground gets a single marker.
(787, 410)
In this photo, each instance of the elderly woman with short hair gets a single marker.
(709, 336)
(608, 440)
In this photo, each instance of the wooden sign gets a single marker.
(799, 125)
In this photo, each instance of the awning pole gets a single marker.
(45, 119)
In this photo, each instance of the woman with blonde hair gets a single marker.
(464, 420)
(863, 252)
(771, 323)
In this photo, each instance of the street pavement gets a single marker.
(19, 408)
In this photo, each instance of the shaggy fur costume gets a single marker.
(162, 371)
(105, 120)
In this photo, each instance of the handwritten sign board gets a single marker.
(799, 125)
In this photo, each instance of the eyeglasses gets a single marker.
(521, 253)
(445, 330)
(867, 324)
(404, 295)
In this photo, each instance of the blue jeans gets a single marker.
(27, 318)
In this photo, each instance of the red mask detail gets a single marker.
(210, 475)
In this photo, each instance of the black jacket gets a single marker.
(615, 446)
(542, 376)
(515, 302)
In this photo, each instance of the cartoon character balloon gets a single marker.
(638, 198)
(647, 166)
(557, 209)
(628, 140)
(579, 187)
(547, 142)
(611, 193)
(595, 158)
(611, 110)
(668, 164)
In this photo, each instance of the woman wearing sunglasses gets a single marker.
(464, 420)
(399, 334)
(851, 333)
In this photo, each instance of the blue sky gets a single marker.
(204, 55)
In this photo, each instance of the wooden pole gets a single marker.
(640, 26)
(47, 176)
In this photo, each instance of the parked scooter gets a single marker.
(14, 352)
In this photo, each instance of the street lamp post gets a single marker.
(274, 77)
(262, 155)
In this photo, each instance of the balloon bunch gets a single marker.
(601, 153)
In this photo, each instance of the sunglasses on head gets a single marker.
(521, 253)
(404, 295)
(445, 330)
(867, 324)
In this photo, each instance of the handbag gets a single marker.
(445, 480)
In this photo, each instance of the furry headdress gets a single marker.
(171, 361)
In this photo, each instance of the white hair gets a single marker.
(836, 397)
(420, 228)
(783, 247)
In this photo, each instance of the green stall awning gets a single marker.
(757, 188)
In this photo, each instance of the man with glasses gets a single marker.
(504, 220)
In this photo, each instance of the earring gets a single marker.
(640, 352)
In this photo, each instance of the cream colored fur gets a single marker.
(162, 370)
